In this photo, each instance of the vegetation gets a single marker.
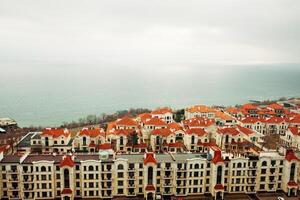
(103, 119)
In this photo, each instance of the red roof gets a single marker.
(140, 146)
(164, 132)
(251, 120)
(294, 130)
(275, 106)
(290, 155)
(104, 146)
(174, 126)
(91, 132)
(56, 132)
(67, 161)
(198, 122)
(219, 187)
(126, 121)
(161, 111)
(150, 158)
(275, 120)
(92, 144)
(156, 122)
(197, 131)
(4, 147)
(295, 119)
(66, 191)
(150, 188)
(176, 145)
(246, 131)
(145, 116)
(229, 131)
(121, 132)
(217, 157)
(292, 184)
(249, 107)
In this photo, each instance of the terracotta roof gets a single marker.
(150, 188)
(197, 131)
(55, 132)
(292, 184)
(161, 111)
(249, 107)
(91, 132)
(66, 191)
(295, 119)
(174, 126)
(294, 131)
(200, 108)
(229, 130)
(198, 122)
(232, 110)
(111, 125)
(126, 121)
(140, 146)
(275, 106)
(176, 145)
(150, 158)
(144, 117)
(244, 130)
(67, 161)
(223, 116)
(290, 156)
(105, 146)
(276, 120)
(164, 132)
(92, 144)
(155, 122)
(4, 147)
(251, 120)
(219, 187)
(217, 157)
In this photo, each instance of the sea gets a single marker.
(45, 94)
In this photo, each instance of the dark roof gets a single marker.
(11, 159)
(25, 142)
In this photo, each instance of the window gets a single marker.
(120, 167)
(150, 175)
(66, 178)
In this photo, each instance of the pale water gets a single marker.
(49, 95)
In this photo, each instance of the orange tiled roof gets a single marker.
(229, 130)
(217, 157)
(164, 132)
(249, 106)
(290, 156)
(198, 122)
(246, 131)
(175, 145)
(275, 106)
(251, 120)
(55, 132)
(223, 116)
(150, 158)
(200, 108)
(174, 126)
(144, 117)
(91, 132)
(104, 146)
(156, 122)
(67, 161)
(126, 121)
(276, 120)
(121, 132)
(161, 111)
(232, 110)
(197, 131)
(294, 130)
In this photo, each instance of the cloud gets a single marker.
(141, 33)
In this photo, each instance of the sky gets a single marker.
(168, 35)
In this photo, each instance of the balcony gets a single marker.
(131, 177)
(167, 184)
(13, 189)
(131, 186)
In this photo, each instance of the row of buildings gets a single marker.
(211, 153)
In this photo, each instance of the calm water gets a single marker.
(44, 94)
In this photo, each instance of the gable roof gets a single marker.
(290, 156)
(156, 122)
(164, 132)
(67, 161)
(200, 108)
(91, 132)
(161, 111)
(55, 132)
(197, 131)
(149, 158)
(275, 106)
(126, 121)
(198, 122)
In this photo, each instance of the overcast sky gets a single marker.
(140, 33)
